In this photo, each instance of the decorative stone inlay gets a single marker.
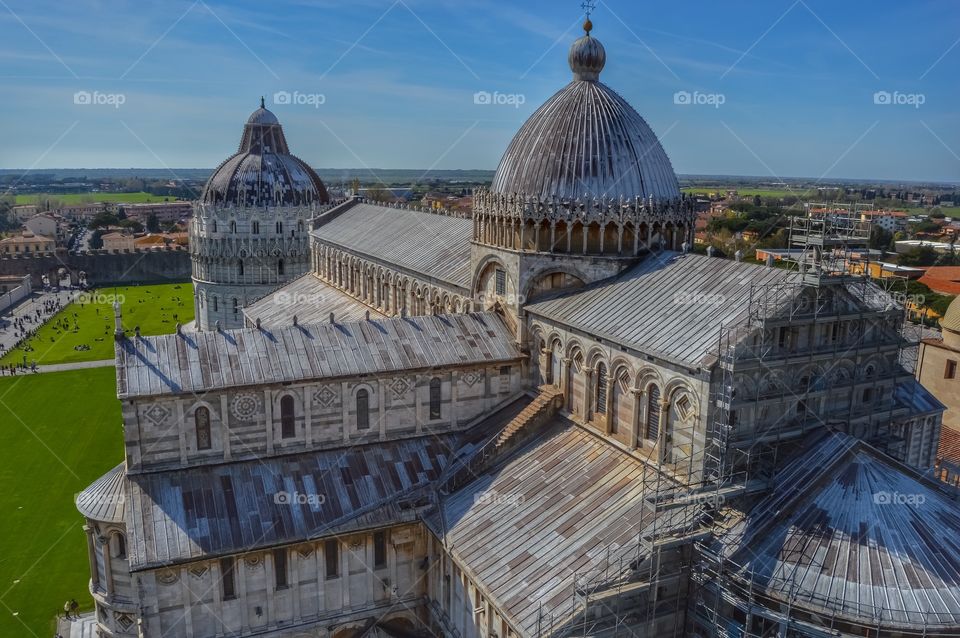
(305, 551)
(245, 406)
(325, 396)
(124, 620)
(399, 387)
(157, 414)
(254, 561)
(471, 377)
(198, 571)
(168, 577)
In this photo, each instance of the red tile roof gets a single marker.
(949, 448)
(943, 279)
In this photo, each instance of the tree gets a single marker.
(153, 223)
(131, 224)
(919, 256)
(102, 220)
(880, 238)
(96, 240)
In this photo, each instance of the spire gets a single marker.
(588, 6)
(262, 104)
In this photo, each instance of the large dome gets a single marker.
(263, 172)
(586, 142)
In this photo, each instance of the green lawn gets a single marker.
(156, 309)
(752, 192)
(84, 198)
(60, 432)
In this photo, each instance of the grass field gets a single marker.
(84, 198)
(60, 432)
(156, 309)
(752, 192)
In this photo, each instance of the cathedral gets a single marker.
(547, 418)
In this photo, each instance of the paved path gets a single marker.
(28, 308)
(78, 365)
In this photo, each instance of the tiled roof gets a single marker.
(567, 503)
(210, 511)
(942, 279)
(202, 361)
(105, 499)
(847, 531)
(431, 245)
(310, 300)
(671, 305)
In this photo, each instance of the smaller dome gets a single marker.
(263, 116)
(587, 57)
(951, 319)
(263, 172)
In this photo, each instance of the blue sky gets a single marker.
(796, 79)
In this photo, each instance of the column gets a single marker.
(663, 441)
(225, 427)
(92, 557)
(565, 380)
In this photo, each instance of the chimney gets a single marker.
(709, 251)
(769, 260)
(295, 320)
(333, 319)
(738, 255)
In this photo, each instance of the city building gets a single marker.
(118, 240)
(82, 212)
(165, 212)
(26, 243)
(46, 225)
(548, 418)
(24, 212)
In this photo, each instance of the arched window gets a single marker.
(256, 228)
(601, 389)
(300, 226)
(434, 398)
(236, 306)
(280, 267)
(240, 267)
(119, 545)
(279, 228)
(288, 427)
(201, 423)
(214, 225)
(653, 412)
(216, 304)
(233, 226)
(363, 410)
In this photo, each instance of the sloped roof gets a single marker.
(434, 246)
(849, 531)
(210, 511)
(565, 503)
(671, 305)
(105, 499)
(202, 361)
(310, 300)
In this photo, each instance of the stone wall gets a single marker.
(245, 423)
(103, 266)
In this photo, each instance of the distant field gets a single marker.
(60, 432)
(87, 198)
(156, 309)
(752, 192)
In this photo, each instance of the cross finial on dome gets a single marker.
(588, 6)
(262, 104)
